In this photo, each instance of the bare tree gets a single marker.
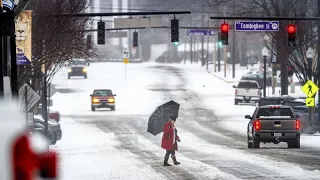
(59, 39)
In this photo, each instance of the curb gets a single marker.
(226, 81)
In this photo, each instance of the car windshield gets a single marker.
(248, 85)
(275, 112)
(102, 93)
(78, 62)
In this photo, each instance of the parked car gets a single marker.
(52, 114)
(52, 125)
(275, 100)
(259, 78)
(38, 127)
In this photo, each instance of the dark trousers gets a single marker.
(172, 152)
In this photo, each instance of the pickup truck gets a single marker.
(247, 91)
(273, 124)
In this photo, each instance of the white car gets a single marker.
(247, 91)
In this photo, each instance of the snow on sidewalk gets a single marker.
(87, 153)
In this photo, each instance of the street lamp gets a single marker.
(265, 53)
(310, 54)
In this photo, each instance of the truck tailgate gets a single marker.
(277, 124)
(248, 92)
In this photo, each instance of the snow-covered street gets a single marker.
(116, 145)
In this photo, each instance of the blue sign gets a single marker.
(21, 58)
(8, 4)
(200, 32)
(257, 26)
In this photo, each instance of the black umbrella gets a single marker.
(161, 115)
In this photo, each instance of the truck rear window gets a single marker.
(248, 85)
(275, 112)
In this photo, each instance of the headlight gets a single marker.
(84, 69)
(69, 70)
(111, 100)
(95, 100)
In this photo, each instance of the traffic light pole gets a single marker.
(264, 76)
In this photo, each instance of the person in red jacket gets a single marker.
(169, 142)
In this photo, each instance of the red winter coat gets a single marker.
(168, 140)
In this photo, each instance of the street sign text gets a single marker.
(257, 26)
(200, 32)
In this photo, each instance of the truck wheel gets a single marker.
(256, 144)
(113, 108)
(93, 108)
(295, 143)
(236, 102)
(69, 76)
(250, 144)
(85, 76)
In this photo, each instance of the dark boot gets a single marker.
(175, 160)
(165, 162)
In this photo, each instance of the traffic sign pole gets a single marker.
(125, 72)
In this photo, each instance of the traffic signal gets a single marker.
(290, 71)
(291, 35)
(224, 33)
(101, 33)
(174, 30)
(135, 39)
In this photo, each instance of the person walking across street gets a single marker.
(169, 142)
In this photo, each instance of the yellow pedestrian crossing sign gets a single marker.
(310, 89)
(126, 60)
(310, 102)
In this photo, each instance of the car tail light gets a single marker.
(298, 124)
(236, 92)
(257, 125)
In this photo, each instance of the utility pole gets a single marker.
(202, 38)
(219, 55)
(225, 60)
(2, 60)
(234, 44)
